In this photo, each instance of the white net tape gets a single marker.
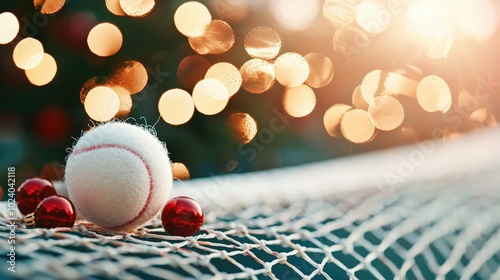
(441, 223)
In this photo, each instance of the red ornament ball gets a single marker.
(182, 216)
(32, 192)
(55, 211)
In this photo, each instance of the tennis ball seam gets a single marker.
(124, 148)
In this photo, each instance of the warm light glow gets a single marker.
(433, 94)
(372, 16)
(191, 70)
(262, 42)
(387, 113)
(176, 106)
(180, 171)
(217, 39)
(425, 15)
(192, 19)
(378, 82)
(339, 12)
(48, 6)
(105, 39)
(357, 126)
(102, 104)
(228, 74)
(294, 14)
(438, 42)
(125, 101)
(358, 100)
(28, 53)
(350, 40)
(131, 75)
(332, 117)
(9, 27)
(478, 19)
(483, 117)
(210, 96)
(299, 101)
(114, 7)
(257, 76)
(231, 10)
(137, 8)
(291, 69)
(90, 84)
(320, 70)
(243, 127)
(44, 72)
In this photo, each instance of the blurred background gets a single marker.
(315, 79)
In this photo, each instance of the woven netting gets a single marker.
(430, 228)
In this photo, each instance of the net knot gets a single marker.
(262, 245)
(281, 258)
(245, 247)
(220, 235)
(48, 233)
(267, 267)
(223, 254)
(191, 241)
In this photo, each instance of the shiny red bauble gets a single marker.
(55, 211)
(32, 192)
(182, 216)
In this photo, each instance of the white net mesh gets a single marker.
(431, 227)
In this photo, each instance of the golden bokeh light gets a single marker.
(372, 16)
(357, 126)
(231, 10)
(263, 43)
(378, 83)
(28, 53)
(125, 101)
(483, 116)
(49, 6)
(44, 72)
(321, 70)
(349, 40)
(291, 69)
(176, 106)
(131, 75)
(257, 76)
(425, 15)
(192, 19)
(102, 104)
(299, 101)
(332, 118)
(433, 94)
(105, 39)
(9, 27)
(467, 101)
(210, 96)
(137, 8)
(294, 15)
(180, 171)
(191, 70)
(115, 8)
(218, 38)
(243, 127)
(358, 100)
(90, 84)
(438, 42)
(477, 19)
(339, 12)
(387, 113)
(228, 74)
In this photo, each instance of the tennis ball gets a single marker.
(118, 176)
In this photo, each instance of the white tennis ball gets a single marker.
(118, 176)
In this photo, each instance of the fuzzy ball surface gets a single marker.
(118, 176)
